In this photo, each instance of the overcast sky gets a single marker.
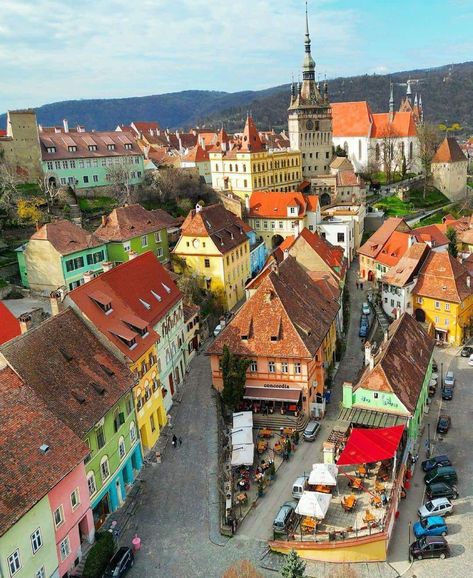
(53, 50)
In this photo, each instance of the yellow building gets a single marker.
(249, 166)
(443, 298)
(215, 246)
(147, 394)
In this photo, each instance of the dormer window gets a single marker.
(128, 146)
(103, 301)
(51, 149)
(92, 147)
(72, 148)
(137, 325)
(111, 147)
(292, 210)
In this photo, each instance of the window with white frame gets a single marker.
(121, 448)
(419, 300)
(36, 540)
(41, 573)
(284, 367)
(14, 562)
(271, 367)
(157, 237)
(447, 306)
(65, 548)
(254, 366)
(159, 252)
(144, 241)
(437, 305)
(297, 367)
(75, 499)
(91, 483)
(132, 431)
(127, 246)
(59, 516)
(104, 468)
(447, 322)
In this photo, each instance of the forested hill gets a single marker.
(447, 94)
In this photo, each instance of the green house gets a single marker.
(394, 387)
(132, 230)
(60, 254)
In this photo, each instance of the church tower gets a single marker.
(310, 118)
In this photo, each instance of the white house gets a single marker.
(340, 233)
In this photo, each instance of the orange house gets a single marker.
(283, 329)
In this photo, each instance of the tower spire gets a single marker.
(307, 35)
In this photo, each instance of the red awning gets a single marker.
(371, 445)
(272, 394)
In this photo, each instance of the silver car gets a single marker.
(437, 507)
(449, 380)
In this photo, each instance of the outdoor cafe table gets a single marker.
(323, 489)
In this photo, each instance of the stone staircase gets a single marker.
(79, 569)
(277, 421)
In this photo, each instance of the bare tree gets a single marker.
(177, 184)
(119, 177)
(389, 152)
(8, 188)
(48, 186)
(429, 139)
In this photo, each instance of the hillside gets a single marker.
(447, 94)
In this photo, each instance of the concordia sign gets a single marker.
(276, 385)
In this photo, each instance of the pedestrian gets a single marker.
(356, 284)
(180, 441)
(361, 286)
(174, 441)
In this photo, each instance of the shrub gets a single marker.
(99, 556)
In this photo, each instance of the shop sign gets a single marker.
(276, 385)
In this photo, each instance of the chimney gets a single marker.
(268, 295)
(468, 281)
(286, 254)
(25, 322)
(104, 220)
(371, 362)
(398, 313)
(386, 335)
(198, 208)
(412, 240)
(132, 255)
(55, 302)
(107, 265)
(247, 203)
(88, 276)
(65, 124)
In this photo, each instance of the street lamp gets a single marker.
(441, 375)
(428, 440)
(409, 544)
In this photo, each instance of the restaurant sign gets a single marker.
(276, 385)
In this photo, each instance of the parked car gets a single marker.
(435, 462)
(449, 380)
(466, 351)
(470, 361)
(217, 330)
(435, 366)
(432, 390)
(447, 393)
(441, 490)
(311, 431)
(284, 518)
(121, 562)
(431, 526)
(363, 332)
(445, 474)
(430, 547)
(437, 507)
(443, 424)
(365, 308)
(299, 487)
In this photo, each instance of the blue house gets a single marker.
(258, 252)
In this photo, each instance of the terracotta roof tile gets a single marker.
(132, 221)
(449, 152)
(288, 295)
(333, 255)
(394, 248)
(275, 204)
(196, 155)
(61, 360)
(402, 125)
(402, 362)
(66, 237)
(375, 243)
(82, 141)
(27, 474)
(430, 234)
(141, 287)
(351, 119)
(408, 266)
(443, 278)
(251, 140)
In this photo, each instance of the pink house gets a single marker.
(72, 518)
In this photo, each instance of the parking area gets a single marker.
(457, 444)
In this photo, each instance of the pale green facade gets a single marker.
(156, 241)
(16, 545)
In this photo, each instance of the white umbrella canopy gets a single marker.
(323, 474)
(242, 419)
(243, 455)
(314, 504)
(242, 435)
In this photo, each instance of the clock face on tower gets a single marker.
(309, 125)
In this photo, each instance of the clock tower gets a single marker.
(310, 118)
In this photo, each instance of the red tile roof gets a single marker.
(443, 278)
(70, 370)
(196, 155)
(251, 141)
(377, 240)
(402, 125)
(9, 324)
(430, 234)
(145, 126)
(351, 119)
(27, 474)
(333, 255)
(275, 204)
(408, 266)
(449, 152)
(132, 221)
(394, 248)
(224, 228)
(66, 237)
(402, 362)
(141, 287)
(300, 316)
(82, 140)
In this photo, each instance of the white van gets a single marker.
(299, 486)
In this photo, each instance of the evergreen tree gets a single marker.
(234, 378)
(293, 567)
(452, 241)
